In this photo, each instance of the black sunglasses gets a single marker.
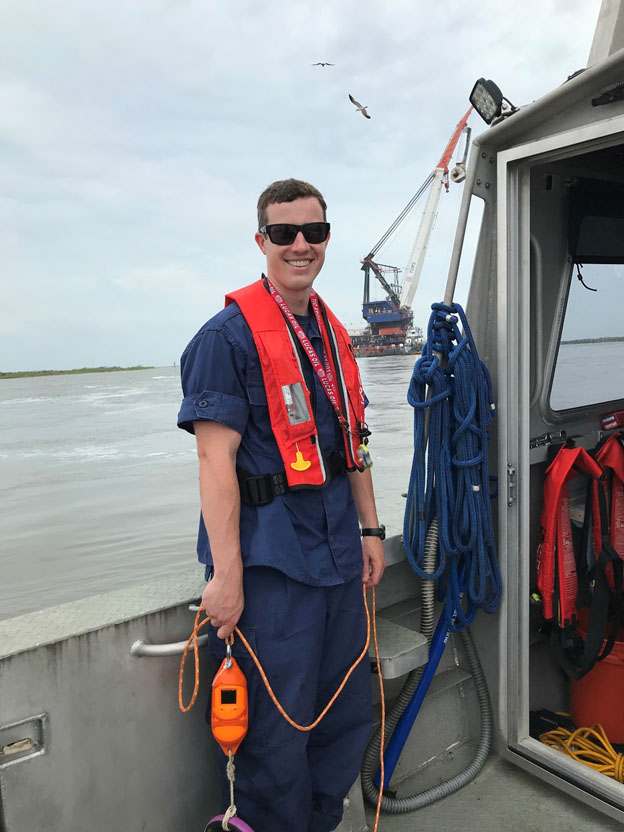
(284, 233)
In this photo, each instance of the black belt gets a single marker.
(258, 491)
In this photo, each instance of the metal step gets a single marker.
(401, 649)
(399, 581)
(441, 697)
(406, 612)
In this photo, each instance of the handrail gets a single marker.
(462, 221)
(142, 647)
(538, 339)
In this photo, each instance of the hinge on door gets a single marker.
(511, 484)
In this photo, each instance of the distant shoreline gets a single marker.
(33, 373)
(606, 339)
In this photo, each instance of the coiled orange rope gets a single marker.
(590, 746)
(193, 644)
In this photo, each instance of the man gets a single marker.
(283, 483)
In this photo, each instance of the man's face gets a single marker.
(293, 268)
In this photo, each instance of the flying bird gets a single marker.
(322, 63)
(359, 106)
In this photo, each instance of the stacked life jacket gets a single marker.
(288, 399)
(589, 575)
(611, 456)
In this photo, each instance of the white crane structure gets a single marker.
(414, 267)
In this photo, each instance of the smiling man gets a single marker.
(273, 395)
(293, 267)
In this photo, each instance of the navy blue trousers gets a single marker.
(306, 639)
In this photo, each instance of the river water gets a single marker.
(99, 487)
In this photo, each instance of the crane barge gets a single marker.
(390, 327)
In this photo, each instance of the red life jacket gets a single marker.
(555, 551)
(288, 399)
(611, 457)
(557, 577)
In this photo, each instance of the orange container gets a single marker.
(230, 712)
(599, 695)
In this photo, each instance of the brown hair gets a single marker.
(287, 190)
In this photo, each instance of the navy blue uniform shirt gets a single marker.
(312, 535)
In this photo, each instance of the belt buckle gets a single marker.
(279, 487)
(259, 490)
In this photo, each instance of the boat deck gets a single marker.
(502, 797)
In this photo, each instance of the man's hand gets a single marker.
(374, 560)
(223, 600)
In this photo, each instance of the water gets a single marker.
(597, 370)
(99, 487)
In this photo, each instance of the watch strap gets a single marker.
(376, 532)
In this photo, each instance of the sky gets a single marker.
(136, 136)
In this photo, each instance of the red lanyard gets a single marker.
(324, 372)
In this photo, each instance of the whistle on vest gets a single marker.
(230, 713)
(363, 454)
(300, 464)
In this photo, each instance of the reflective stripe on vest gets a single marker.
(288, 398)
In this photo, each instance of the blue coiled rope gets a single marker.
(449, 478)
(448, 503)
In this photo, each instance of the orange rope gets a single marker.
(192, 642)
(383, 711)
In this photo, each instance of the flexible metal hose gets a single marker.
(402, 805)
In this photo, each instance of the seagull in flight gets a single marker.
(359, 106)
(322, 63)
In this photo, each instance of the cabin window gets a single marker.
(590, 361)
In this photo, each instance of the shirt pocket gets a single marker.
(255, 388)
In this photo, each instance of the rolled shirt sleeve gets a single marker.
(213, 381)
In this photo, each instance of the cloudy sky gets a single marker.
(135, 137)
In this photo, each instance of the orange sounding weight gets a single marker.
(230, 713)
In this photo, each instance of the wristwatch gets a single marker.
(380, 532)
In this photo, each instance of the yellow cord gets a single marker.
(589, 746)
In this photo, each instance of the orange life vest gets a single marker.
(562, 590)
(288, 398)
(555, 552)
(611, 457)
